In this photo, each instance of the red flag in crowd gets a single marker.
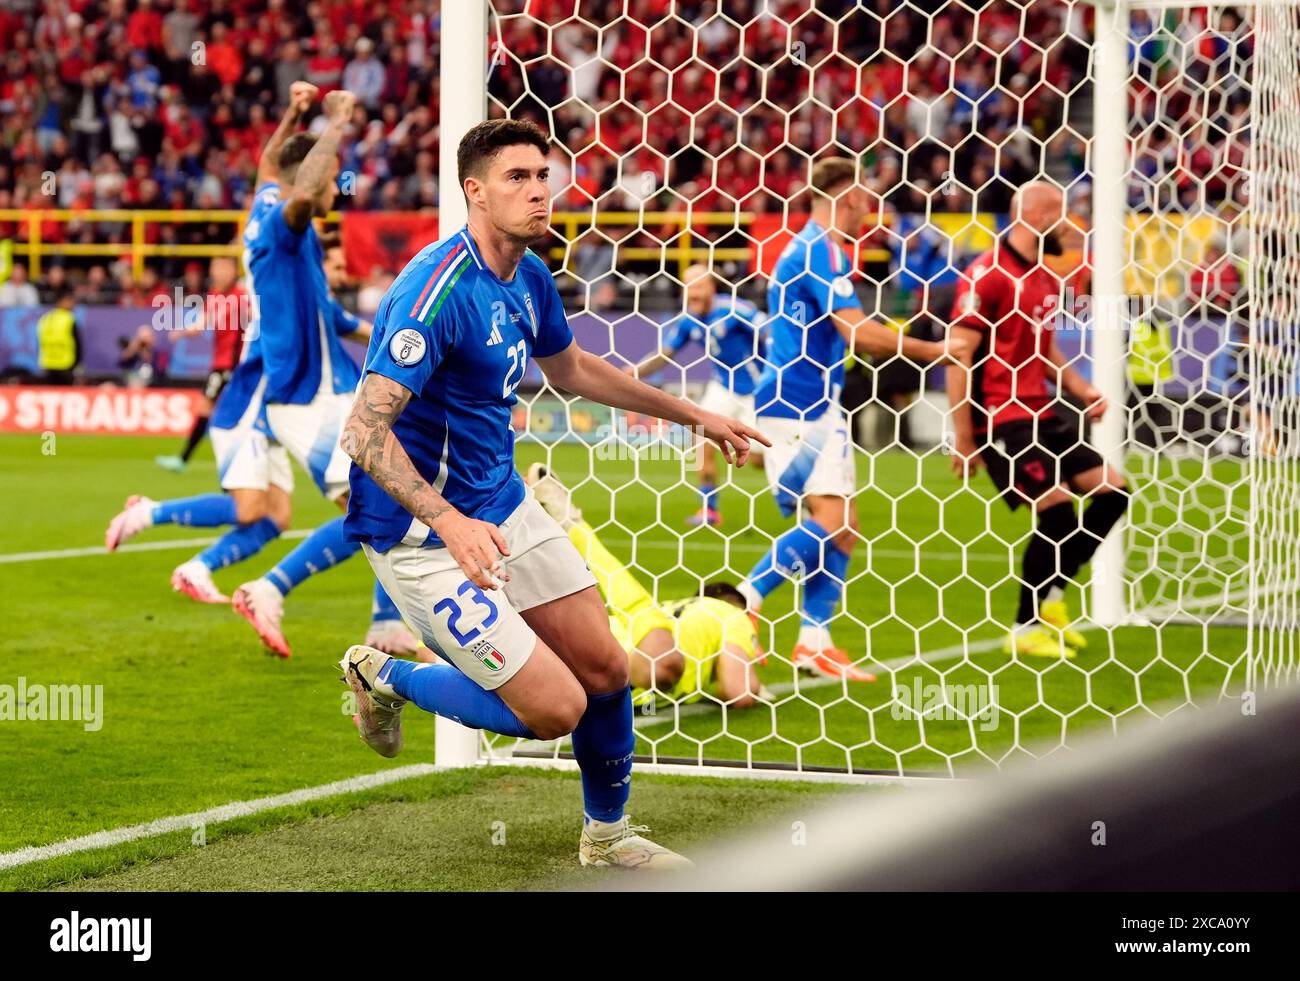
(376, 238)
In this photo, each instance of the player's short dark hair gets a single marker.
(831, 175)
(726, 592)
(331, 240)
(292, 153)
(483, 142)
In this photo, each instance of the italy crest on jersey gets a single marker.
(532, 314)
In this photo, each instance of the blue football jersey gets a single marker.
(459, 338)
(241, 399)
(806, 353)
(299, 322)
(731, 334)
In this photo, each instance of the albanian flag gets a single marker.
(384, 239)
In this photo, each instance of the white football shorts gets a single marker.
(718, 398)
(482, 631)
(311, 435)
(247, 460)
(808, 457)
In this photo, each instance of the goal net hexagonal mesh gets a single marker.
(683, 135)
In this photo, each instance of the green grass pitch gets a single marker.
(196, 716)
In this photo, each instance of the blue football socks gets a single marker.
(797, 553)
(602, 745)
(443, 690)
(203, 511)
(241, 542)
(323, 549)
(383, 608)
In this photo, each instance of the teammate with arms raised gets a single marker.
(490, 580)
(1008, 415)
(255, 475)
(815, 317)
(730, 331)
(308, 379)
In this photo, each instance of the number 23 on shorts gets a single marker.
(455, 611)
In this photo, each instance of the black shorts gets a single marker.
(215, 383)
(898, 376)
(1028, 457)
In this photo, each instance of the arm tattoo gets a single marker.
(368, 439)
(313, 175)
(313, 172)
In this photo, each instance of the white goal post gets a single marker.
(461, 69)
(683, 132)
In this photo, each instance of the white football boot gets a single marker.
(262, 605)
(379, 708)
(135, 517)
(620, 845)
(552, 495)
(194, 579)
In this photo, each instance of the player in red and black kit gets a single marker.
(1010, 415)
(225, 313)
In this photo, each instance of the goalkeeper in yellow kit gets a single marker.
(701, 647)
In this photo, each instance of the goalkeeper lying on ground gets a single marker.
(701, 647)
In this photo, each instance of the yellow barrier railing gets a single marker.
(685, 249)
(1159, 244)
(35, 248)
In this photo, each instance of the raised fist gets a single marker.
(301, 96)
(339, 104)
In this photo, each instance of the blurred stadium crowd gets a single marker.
(700, 104)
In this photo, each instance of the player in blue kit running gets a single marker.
(815, 317)
(730, 331)
(255, 476)
(253, 465)
(490, 580)
(308, 377)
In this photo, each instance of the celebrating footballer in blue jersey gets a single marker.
(491, 580)
(308, 378)
(814, 317)
(256, 480)
(730, 331)
(254, 470)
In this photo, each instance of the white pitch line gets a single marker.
(81, 553)
(948, 653)
(215, 815)
(352, 785)
(789, 688)
(756, 548)
(237, 809)
(752, 547)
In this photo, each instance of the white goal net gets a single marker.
(1212, 217)
(683, 136)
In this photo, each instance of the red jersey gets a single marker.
(1012, 302)
(225, 315)
(144, 29)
